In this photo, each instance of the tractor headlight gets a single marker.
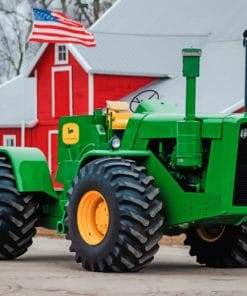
(115, 142)
(243, 133)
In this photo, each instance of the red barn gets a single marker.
(59, 82)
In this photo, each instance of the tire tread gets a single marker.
(140, 210)
(18, 215)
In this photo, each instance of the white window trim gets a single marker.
(9, 137)
(50, 134)
(90, 93)
(57, 61)
(23, 133)
(36, 94)
(61, 69)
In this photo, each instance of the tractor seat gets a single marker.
(118, 114)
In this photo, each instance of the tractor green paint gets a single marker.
(189, 146)
(185, 155)
(30, 170)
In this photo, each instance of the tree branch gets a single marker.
(83, 7)
(63, 5)
(13, 12)
(8, 53)
(96, 9)
(44, 3)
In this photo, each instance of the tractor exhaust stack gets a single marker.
(189, 145)
(191, 61)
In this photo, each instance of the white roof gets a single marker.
(155, 56)
(220, 87)
(224, 19)
(17, 102)
(214, 26)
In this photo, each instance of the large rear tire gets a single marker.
(219, 246)
(114, 216)
(18, 215)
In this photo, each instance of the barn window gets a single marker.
(61, 54)
(9, 140)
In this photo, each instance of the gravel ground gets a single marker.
(48, 269)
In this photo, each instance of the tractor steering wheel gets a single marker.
(148, 94)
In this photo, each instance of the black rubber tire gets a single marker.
(18, 215)
(136, 216)
(230, 250)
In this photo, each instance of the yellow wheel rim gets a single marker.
(210, 236)
(93, 217)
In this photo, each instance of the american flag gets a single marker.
(55, 27)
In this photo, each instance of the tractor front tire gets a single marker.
(114, 216)
(219, 246)
(18, 215)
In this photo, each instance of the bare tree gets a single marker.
(90, 11)
(13, 37)
(45, 4)
(16, 25)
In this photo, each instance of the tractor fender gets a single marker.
(30, 169)
(93, 154)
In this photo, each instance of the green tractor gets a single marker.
(128, 178)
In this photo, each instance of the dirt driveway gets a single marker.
(48, 269)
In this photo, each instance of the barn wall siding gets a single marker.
(44, 84)
(112, 87)
(240, 110)
(79, 87)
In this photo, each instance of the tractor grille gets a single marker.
(240, 190)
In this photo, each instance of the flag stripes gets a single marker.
(54, 32)
(55, 27)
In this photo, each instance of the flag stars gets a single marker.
(43, 15)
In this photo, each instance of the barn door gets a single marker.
(61, 92)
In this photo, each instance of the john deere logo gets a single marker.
(70, 133)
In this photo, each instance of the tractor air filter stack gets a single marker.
(188, 148)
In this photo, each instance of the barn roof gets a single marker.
(222, 18)
(143, 36)
(214, 26)
(17, 102)
(155, 56)
(220, 87)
